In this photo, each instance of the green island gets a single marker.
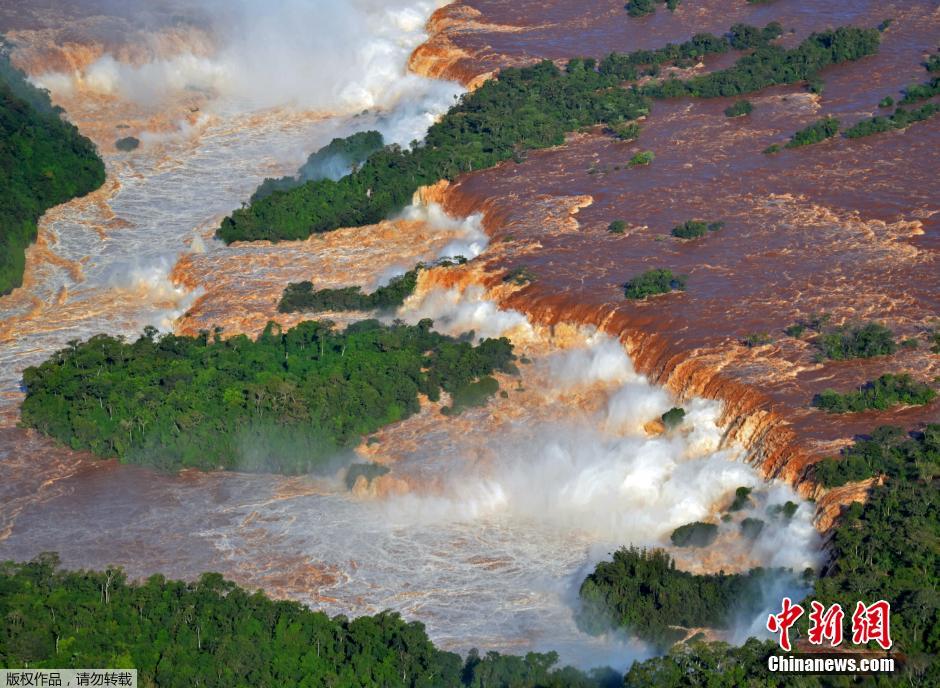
(858, 341)
(884, 393)
(644, 591)
(652, 283)
(301, 296)
(287, 402)
(44, 161)
(534, 107)
(820, 130)
(693, 229)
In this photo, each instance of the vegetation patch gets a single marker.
(884, 393)
(334, 161)
(641, 159)
(742, 499)
(820, 130)
(301, 296)
(370, 471)
(287, 402)
(653, 282)
(673, 418)
(900, 119)
(127, 144)
(44, 161)
(739, 109)
(769, 64)
(643, 591)
(693, 229)
(617, 227)
(861, 341)
(696, 534)
(212, 633)
(889, 452)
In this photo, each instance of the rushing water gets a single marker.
(487, 523)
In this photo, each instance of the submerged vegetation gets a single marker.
(652, 283)
(287, 402)
(885, 392)
(44, 161)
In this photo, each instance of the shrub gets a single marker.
(673, 417)
(519, 275)
(771, 149)
(865, 341)
(653, 282)
(885, 392)
(820, 130)
(640, 8)
(786, 511)
(626, 131)
(643, 158)
(796, 330)
(617, 227)
(128, 143)
(751, 528)
(742, 499)
(887, 101)
(739, 109)
(756, 339)
(692, 229)
(696, 534)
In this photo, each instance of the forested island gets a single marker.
(44, 161)
(534, 107)
(287, 402)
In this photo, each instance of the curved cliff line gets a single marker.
(748, 416)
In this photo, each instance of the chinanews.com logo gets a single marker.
(871, 624)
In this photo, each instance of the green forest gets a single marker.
(643, 591)
(212, 633)
(44, 161)
(534, 107)
(286, 402)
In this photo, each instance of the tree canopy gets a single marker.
(44, 161)
(286, 402)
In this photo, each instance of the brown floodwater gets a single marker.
(846, 227)
(488, 522)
